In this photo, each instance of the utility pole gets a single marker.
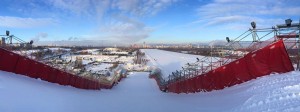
(298, 57)
(253, 24)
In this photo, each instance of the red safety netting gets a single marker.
(198, 83)
(23, 66)
(272, 58)
(12, 62)
(34, 70)
(241, 74)
(45, 70)
(52, 76)
(8, 60)
(63, 78)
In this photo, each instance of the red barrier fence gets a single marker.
(12, 62)
(8, 61)
(272, 58)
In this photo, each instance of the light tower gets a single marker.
(253, 24)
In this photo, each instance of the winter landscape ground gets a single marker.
(136, 93)
(149, 56)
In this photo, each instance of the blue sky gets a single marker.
(136, 21)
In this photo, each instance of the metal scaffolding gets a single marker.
(249, 41)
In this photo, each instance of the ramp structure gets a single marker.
(272, 58)
(254, 53)
(22, 64)
(15, 63)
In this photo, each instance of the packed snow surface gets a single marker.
(168, 61)
(136, 93)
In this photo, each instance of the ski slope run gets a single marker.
(277, 92)
(136, 93)
(168, 61)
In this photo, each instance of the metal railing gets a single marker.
(240, 43)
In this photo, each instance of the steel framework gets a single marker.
(251, 40)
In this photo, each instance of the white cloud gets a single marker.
(18, 22)
(117, 19)
(40, 36)
(121, 19)
(95, 7)
(238, 12)
(142, 8)
(225, 19)
(126, 29)
(75, 6)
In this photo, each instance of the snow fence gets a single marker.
(270, 59)
(12, 62)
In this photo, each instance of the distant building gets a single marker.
(111, 49)
(78, 62)
(144, 45)
(114, 51)
(2, 41)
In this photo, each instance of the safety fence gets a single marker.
(12, 62)
(270, 59)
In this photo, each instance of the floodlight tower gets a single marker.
(291, 30)
(253, 30)
(228, 39)
(9, 38)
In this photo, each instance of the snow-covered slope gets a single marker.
(277, 92)
(169, 61)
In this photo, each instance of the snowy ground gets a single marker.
(168, 61)
(278, 92)
(136, 93)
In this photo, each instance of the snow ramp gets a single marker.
(270, 59)
(15, 63)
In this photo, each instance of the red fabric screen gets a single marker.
(192, 85)
(240, 70)
(198, 82)
(63, 78)
(99, 85)
(227, 75)
(91, 85)
(171, 87)
(257, 64)
(23, 66)
(282, 63)
(73, 79)
(182, 86)
(34, 70)
(8, 61)
(78, 82)
(1, 52)
(86, 84)
(52, 75)
(272, 58)
(45, 72)
(206, 81)
(81, 82)
(216, 78)
(16, 63)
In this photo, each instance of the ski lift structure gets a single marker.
(9, 41)
(14, 58)
(251, 40)
(14, 43)
(19, 46)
